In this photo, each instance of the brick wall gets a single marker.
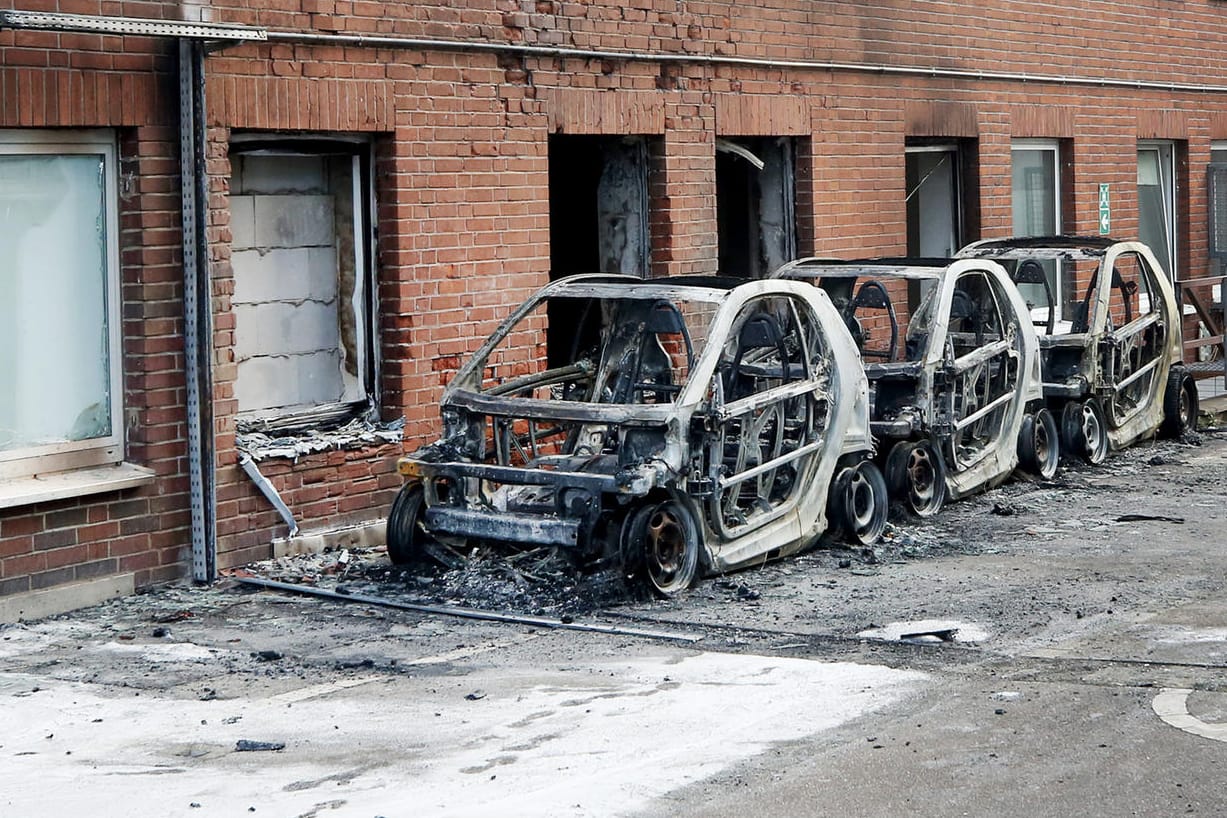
(462, 181)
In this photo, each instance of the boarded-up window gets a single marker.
(300, 253)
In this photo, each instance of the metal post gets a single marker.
(197, 310)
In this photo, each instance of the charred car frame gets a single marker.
(954, 372)
(1110, 338)
(672, 427)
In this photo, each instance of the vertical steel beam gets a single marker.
(197, 310)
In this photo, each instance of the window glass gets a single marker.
(1156, 206)
(55, 336)
(932, 202)
(1035, 187)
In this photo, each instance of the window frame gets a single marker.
(1166, 156)
(1052, 146)
(107, 449)
(362, 149)
(955, 151)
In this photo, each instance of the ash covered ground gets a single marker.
(547, 582)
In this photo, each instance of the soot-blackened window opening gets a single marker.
(755, 205)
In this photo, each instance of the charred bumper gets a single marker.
(504, 526)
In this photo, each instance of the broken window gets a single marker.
(60, 365)
(303, 281)
(755, 205)
(598, 214)
(598, 205)
(934, 199)
(764, 418)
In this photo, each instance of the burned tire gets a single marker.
(406, 534)
(860, 502)
(1039, 446)
(1084, 429)
(664, 540)
(917, 475)
(1180, 404)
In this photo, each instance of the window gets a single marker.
(1157, 201)
(60, 345)
(303, 281)
(1036, 188)
(598, 205)
(755, 205)
(934, 211)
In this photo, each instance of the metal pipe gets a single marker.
(230, 34)
(270, 492)
(430, 44)
(471, 613)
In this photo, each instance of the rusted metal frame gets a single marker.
(1137, 373)
(549, 377)
(518, 476)
(529, 408)
(752, 403)
(979, 356)
(959, 425)
(505, 526)
(1134, 327)
(911, 369)
(469, 613)
(775, 463)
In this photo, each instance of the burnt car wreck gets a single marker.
(670, 427)
(1110, 338)
(953, 365)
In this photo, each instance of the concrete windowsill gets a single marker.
(41, 488)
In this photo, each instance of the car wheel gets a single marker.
(1180, 404)
(1071, 425)
(667, 540)
(862, 502)
(406, 535)
(915, 471)
(1039, 447)
(1091, 432)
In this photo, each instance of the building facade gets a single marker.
(246, 244)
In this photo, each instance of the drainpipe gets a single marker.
(197, 309)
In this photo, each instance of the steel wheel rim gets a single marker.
(668, 548)
(1186, 408)
(860, 502)
(1092, 431)
(922, 477)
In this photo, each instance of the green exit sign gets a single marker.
(1105, 210)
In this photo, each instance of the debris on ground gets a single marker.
(246, 746)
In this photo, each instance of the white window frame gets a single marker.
(1166, 150)
(1052, 146)
(108, 449)
(956, 168)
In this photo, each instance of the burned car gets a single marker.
(954, 372)
(1110, 338)
(672, 427)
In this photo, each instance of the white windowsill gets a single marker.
(24, 491)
